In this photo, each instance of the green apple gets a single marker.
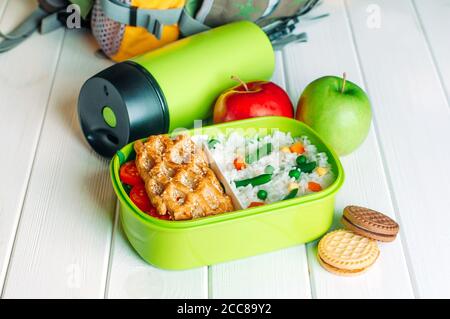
(338, 110)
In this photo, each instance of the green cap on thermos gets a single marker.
(170, 87)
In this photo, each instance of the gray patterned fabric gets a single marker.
(108, 33)
(218, 12)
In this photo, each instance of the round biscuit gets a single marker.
(371, 220)
(340, 272)
(346, 250)
(363, 232)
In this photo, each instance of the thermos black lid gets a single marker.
(119, 105)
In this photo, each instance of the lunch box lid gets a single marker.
(255, 124)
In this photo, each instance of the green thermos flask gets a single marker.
(170, 87)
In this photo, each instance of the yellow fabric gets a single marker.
(137, 40)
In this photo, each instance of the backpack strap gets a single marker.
(23, 31)
(151, 19)
(188, 25)
(32, 23)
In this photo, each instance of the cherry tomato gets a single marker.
(153, 213)
(255, 204)
(139, 197)
(129, 174)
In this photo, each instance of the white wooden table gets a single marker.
(59, 232)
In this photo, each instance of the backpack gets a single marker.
(127, 28)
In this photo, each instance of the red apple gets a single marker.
(253, 99)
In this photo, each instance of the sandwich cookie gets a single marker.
(345, 253)
(369, 223)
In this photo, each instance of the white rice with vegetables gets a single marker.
(293, 166)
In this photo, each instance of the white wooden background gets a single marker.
(59, 235)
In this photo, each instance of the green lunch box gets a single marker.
(224, 237)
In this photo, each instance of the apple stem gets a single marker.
(238, 79)
(344, 80)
